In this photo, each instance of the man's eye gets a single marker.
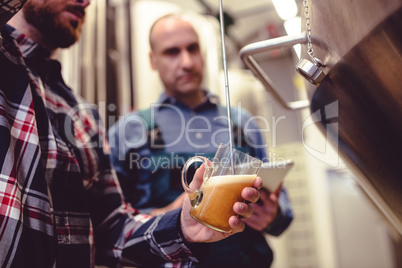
(193, 48)
(172, 52)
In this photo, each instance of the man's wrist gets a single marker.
(198, 250)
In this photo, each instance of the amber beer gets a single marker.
(224, 179)
(220, 193)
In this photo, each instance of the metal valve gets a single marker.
(310, 71)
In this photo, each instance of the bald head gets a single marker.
(165, 22)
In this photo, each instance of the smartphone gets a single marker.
(273, 173)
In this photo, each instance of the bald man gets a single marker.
(150, 146)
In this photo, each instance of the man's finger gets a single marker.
(236, 224)
(198, 177)
(257, 183)
(250, 194)
(243, 209)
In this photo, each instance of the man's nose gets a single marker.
(187, 60)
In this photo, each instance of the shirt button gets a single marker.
(198, 135)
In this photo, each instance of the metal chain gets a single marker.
(310, 50)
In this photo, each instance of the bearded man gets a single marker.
(60, 200)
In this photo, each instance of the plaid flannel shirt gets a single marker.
(60, 199)
(8, 8)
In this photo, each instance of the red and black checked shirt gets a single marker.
(60, 202)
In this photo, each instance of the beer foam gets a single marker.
(227, 179)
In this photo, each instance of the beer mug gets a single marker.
(224, 179)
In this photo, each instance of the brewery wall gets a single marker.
(335, 224)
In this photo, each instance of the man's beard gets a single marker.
(44, 17)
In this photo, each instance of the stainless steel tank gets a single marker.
(360, 43)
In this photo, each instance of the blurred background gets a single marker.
(336, 224)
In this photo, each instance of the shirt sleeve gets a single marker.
(8, 8)
(284, 216)
(158, 235)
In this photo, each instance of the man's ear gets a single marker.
(152, 60)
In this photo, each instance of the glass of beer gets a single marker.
(224, 179)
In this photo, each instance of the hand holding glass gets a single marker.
(224, 179)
